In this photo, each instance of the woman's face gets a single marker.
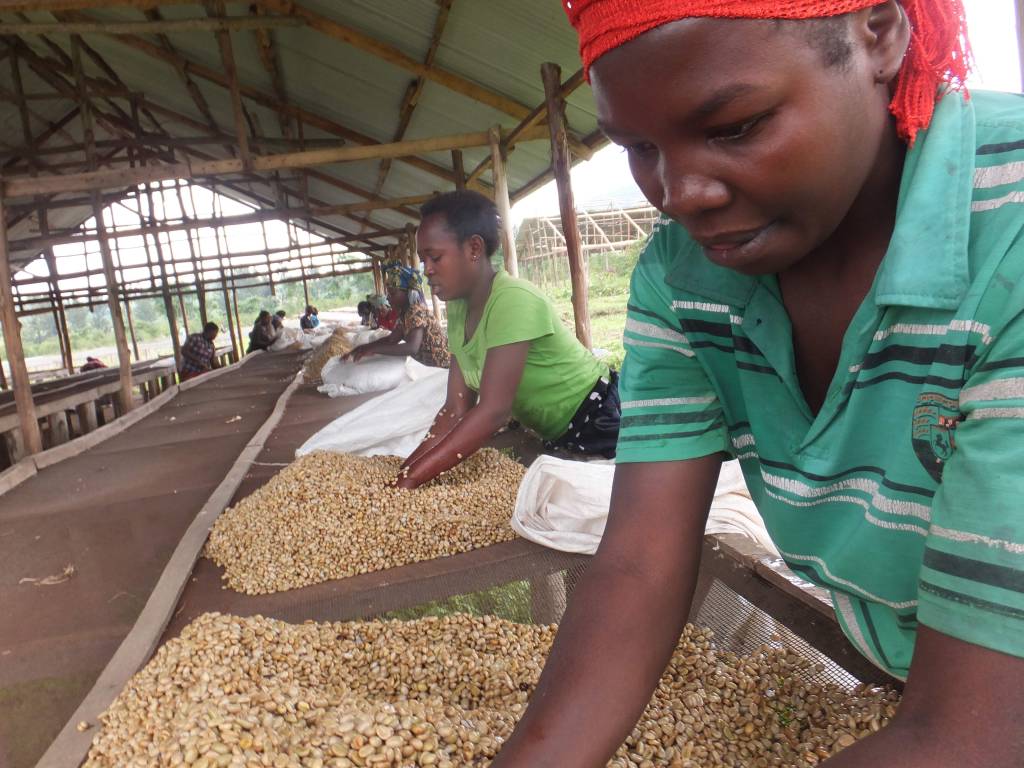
(398, 299)
(738, 131)
(451, 268)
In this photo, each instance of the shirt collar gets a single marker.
(926, 264)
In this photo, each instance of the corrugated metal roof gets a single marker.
(497, 44)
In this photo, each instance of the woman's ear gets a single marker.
(477, 249)
(885, 30)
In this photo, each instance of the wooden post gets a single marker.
(131, 326)
(30, 435)
(501, 200)
(410, 243)
(3, 376)
(266, 248)
(184, 314)
(124, 360)
(378, 278)
(165, 290)
(560, 164)
(230, 319)
(196, 276)
(459, 169)
(238, 320)
(1019, 7)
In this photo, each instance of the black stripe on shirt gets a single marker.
(996, 365)
(937, 381)
(646, 313)
(973, 602)
(650, 419)
(870, 624)
(946, 354)
(668, 435)
(998, 149)
(1001, 576)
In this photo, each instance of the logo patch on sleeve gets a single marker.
(933, 433)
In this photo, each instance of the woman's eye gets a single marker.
(640, 149)
(737, 130)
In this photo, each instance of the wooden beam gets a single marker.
(97, 180)
(258, 96)
(120, 339)
(29, 424)
(38, 243)
(561, 163)
(459, 169)
(68, 5)
(227, 58)
(392, 55)
(222, 24)
(508, 237)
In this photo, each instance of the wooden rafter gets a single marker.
(122, 176)
(215, 8)
(415, 90)
(392, 55)
(226, 23)
(257, 96)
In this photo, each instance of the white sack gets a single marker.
(564, 505)
(372, 374)
(391, 424)
(360, 336)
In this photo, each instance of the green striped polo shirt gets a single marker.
(904, 495)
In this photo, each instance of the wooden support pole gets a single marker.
(410, 243)
(131, 327)
(378, 278)
(216, 7)
(124, 359)
(196, 276)
(184, 314)
(148, 27)
(266, 250)
(165, 289)
(561, 163)
(459, 169)
(238, 319)
(31, 437)
(501, 200)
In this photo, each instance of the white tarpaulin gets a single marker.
(564, 505)
(391, 424)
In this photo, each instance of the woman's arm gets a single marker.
(459, 400)
(623, 621)
(503, 369)
(413, 342)
(374, 347)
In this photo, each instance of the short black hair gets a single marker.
(466, 213)
(829, 35)
(211, 327)
(364, 308)
(281, 313)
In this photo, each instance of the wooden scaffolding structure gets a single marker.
(131, 148)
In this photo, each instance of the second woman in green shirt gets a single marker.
(511, 355)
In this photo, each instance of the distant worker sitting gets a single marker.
(262, 334)
(365, 310)
(198, 354)
(309, 321)
(92, 364)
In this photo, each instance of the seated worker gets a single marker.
(92, 364)
(382, 315)
(309, 320)
(424, 339)
(511, 355)
(198, 353)
(262, 334)
(835, 296)
(278, 320)
(365, 310)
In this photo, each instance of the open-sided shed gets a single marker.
(339, 117)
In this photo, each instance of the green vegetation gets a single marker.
(93, 329)
(609, 292)
(508, 601)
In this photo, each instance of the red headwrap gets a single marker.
(938, 53)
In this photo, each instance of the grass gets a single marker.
(609, 292)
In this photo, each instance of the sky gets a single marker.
(606, 178)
